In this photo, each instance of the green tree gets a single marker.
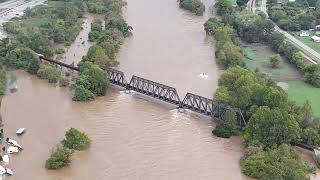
(271, 127)
(312, 75)
(59, 157)
(98, 79)
(228, 127)
(242, 2)
(275, 60)
(76, 140)
(224, 7)
(278, 163)
(211, 25)
(237, 87)
(195, 6)
(82, 94)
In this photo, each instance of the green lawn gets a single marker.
(308, 41)
(300, 92)
(258, 56)
(234, 2)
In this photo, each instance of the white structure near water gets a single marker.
(316, 39)
(304, 34)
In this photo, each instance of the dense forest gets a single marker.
(295, 16)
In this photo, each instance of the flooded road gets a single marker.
(79, 48)
(132, 137)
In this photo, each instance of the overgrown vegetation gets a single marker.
(76, 140)
(277, 163)
(294, 16)
(275, 61)
(92, 81)
(228, 127)
(227, 51)
(195, 6)
(49, 72)
(3, 81)
(60, 157)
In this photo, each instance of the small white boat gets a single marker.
(12, 150)
(5, 159)
(20, 131)
(2, 170)
(9, 171)
(203, 75)
(13, 143)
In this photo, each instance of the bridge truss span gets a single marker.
(210, 107)
(116, 77)
(154, 89)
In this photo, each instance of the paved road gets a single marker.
(309, 53)
(10, 9)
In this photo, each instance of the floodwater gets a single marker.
(133, 137)
(169, 46)
(79, 48)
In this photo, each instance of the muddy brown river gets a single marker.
(133, 137)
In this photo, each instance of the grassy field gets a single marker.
(258, 56)
(308, 41)
(300, 92)
(234, 2)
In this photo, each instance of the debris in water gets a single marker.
(9, 171)
(13, 143)
(20, 131)
(203, 76)
(11, 150)
(5, 158)
(2, 170)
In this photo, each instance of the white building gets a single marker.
(304, 34)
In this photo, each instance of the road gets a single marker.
(10, 9)
(309, 53)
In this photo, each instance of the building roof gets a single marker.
(315, 38)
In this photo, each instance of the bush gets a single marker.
(311, 135)
(82, 94)
(229, 127)
(271, 127)
(64, 81)
(53, 74)
(97, 79)
(279, 163)
(3, 82)
(60, 51)
(275, 60)
(312, 75)
(195, 6)
(76, 140)
(59, 157)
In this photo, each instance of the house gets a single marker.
(316, 39)
(304, 34)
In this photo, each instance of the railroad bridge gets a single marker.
(165, 93)
(170, 95)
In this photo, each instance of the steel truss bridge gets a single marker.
(165, 93)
